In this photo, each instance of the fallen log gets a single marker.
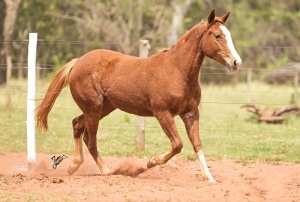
(271, 115)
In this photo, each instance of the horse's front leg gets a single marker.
(191, 121)
(167, 123)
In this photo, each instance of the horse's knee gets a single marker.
(177, 147)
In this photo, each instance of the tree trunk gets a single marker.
(8, 28)
(177, 21)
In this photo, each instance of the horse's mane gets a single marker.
(190, 33)
(185, 37)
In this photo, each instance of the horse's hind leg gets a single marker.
(82, 129)
(78, 130)
(81, 132)
(91, 123)
(90, 134)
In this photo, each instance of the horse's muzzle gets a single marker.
(235, 66)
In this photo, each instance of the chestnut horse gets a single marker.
(163, 85)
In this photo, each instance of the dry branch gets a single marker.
(271, 115)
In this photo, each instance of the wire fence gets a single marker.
(248, 93)
(207, 116)
(217, 71)
(244, 92)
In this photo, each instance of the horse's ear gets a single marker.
(224, 17)
(211, 16)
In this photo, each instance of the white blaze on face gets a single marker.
(230, 43)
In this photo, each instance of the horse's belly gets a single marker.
(132, 108)
(130, 102)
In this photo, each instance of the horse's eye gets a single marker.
(218, 36)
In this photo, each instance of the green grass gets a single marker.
(227, 131)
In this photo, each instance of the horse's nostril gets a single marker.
(234, 63)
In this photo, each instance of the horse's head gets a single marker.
(217, 43)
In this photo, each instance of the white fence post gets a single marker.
(31, 151)
(144, 48)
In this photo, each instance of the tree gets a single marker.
(262, 30)
(179, 12)
(120, 23)
(8, 28)
(55, 35)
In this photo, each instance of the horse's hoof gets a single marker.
(151, 163)
(212, 181)
(72, 169)
(105, 172)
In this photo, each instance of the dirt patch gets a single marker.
(128, 167)
(179, 180)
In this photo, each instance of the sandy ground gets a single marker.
(178, 180)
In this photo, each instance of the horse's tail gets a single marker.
(58, 82)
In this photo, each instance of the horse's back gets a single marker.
(100, 63)
(117, 77)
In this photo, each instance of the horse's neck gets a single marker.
(187, 54)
